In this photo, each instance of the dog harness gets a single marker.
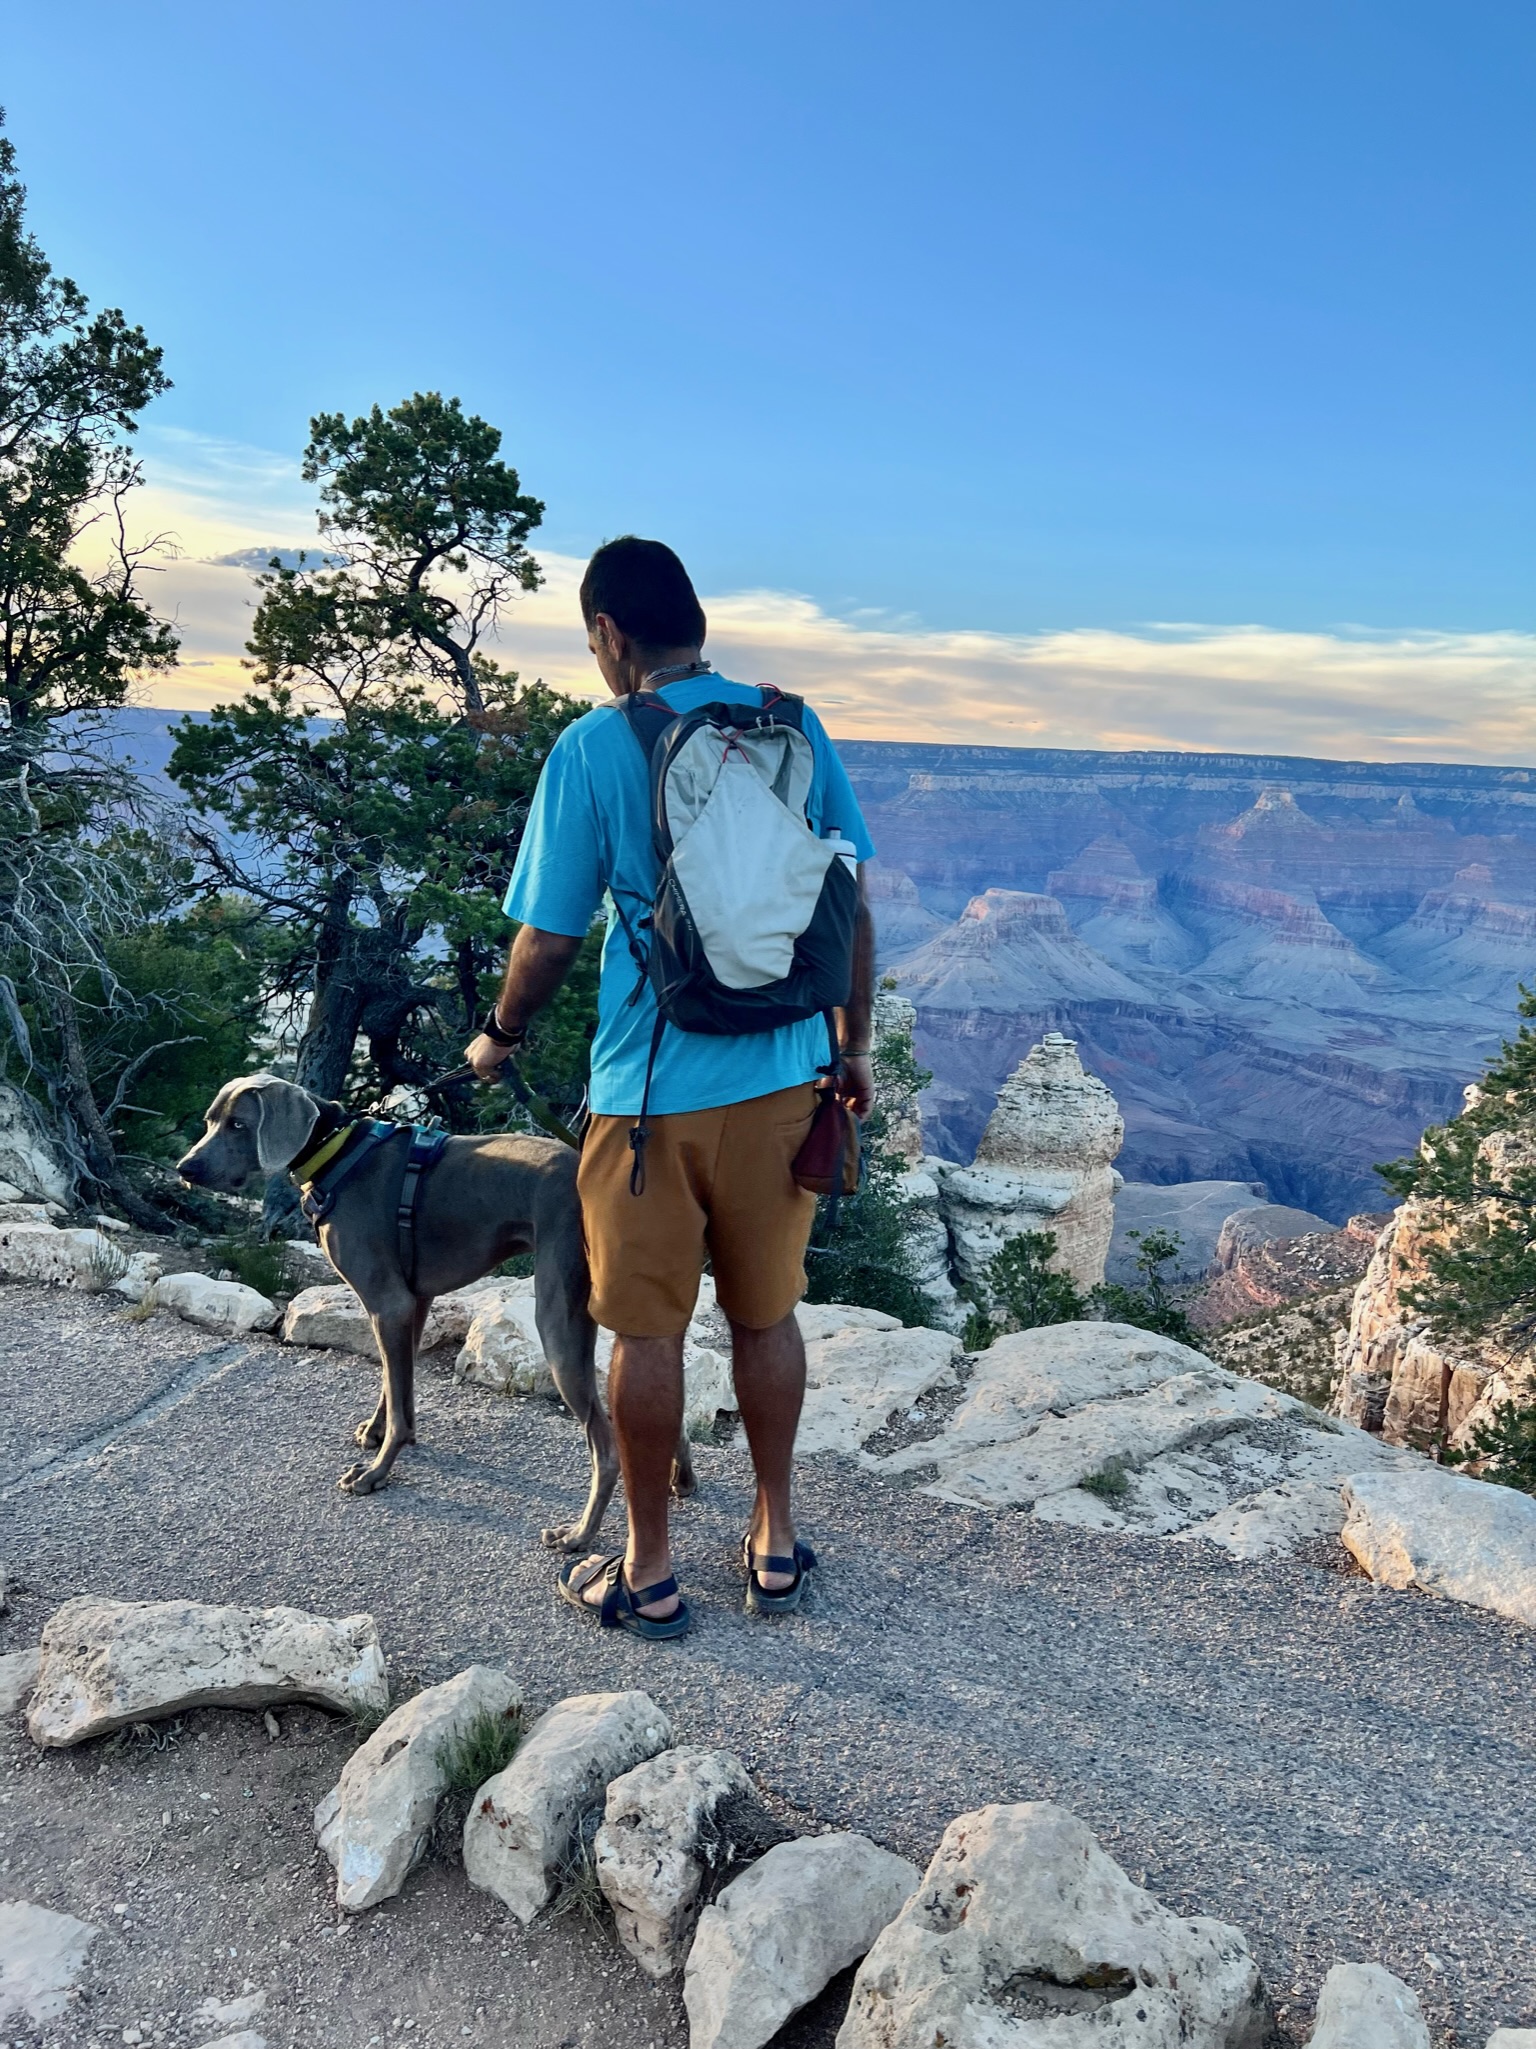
(322, 1174)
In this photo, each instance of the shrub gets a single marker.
(1149, 1306)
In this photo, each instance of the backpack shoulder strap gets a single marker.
(648, 716)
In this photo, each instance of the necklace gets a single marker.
(678, 673)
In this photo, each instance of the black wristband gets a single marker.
(497, 1032)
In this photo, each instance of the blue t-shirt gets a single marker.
(589, 831)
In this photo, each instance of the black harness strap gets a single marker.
(319, 1196)
(426, 1151)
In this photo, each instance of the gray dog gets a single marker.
(484, 1200)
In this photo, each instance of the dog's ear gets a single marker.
(283, 1115)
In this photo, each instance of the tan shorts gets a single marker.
(716, 1182)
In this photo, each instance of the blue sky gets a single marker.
(1012, 319)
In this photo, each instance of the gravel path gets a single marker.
(1344, 1771)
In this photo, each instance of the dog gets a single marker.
(482, 1201)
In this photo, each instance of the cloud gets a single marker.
(1342, 694)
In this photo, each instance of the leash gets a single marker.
(536, 1106)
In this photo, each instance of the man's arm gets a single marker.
(855, 1021)
(536, 966)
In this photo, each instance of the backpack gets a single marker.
(752, 923)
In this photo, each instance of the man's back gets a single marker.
(590, 832)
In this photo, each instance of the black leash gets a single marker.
(538, 1109)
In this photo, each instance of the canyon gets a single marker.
(1284, 969)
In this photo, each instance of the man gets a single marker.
(726, 1115)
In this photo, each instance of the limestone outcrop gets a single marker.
(1398, 1380)
(1469, 1540)
(27, 1161)
(1043, 1164)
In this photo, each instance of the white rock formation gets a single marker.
(501, 1347)
(1043, 1164)
(668, 1827)
(139, 1276)
(1422, 1526)
(856, 1380)
(374, 1822)
(525, 1824)
(330, 1316)
(18, 1677)
(41, 1956)
(826, 1319)
(229, 1307)
(1023, 1931)
(108, 1663)
(38, 1251)
(1512, 2038)
(783, 1930)
(26, 1161)
(1199, 1450)
(1361, 2006)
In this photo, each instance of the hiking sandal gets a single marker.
(621, 1604)
(760, 1601)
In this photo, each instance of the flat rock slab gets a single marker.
(524, 1825)
(108, 1663)
(857, 1379)
(1364, 2007)
(330, 1316)
(671, 1826)
(1420, 1526)
(41, 1956)
(784, 1929)
(1022, 1924)
(374, 1823)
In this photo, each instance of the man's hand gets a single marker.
(485, 1056)
(856, 1084)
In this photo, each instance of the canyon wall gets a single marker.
(1284, 969)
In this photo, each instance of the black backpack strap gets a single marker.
(639, 1134)
(647, 716)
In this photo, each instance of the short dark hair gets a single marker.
(645, 591)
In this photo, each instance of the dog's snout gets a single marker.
(191, 1170)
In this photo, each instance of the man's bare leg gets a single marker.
(645, 1399)
(769, 1370)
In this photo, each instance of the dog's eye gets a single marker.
(235, 1124)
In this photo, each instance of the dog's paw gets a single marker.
(369, 1435)
(685, 1483)
(361, 1479)
(568, 1537)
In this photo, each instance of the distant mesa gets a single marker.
(1009, 949)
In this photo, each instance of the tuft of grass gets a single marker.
(577, 1889)
(142, 1310)
(257, 1262)
(1111, 1482)
(485, 1748)
(365, 1719)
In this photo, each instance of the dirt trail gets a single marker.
(1343, 1771)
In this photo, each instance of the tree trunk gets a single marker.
(96, 1141)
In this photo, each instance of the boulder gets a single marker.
(18, 1677)
(501, 1346)
(41, 1956)
(374, 1823)
(1022, 1926)
(524, 1828)
(108, 1663)
(1419, 1525)
(138, 1276)
(1361, 2006)
(34, 1251)
(708, 1386)
(856, 1380)
(670, 1827)
(784, 1929)
(1043, 1164)
(225, 1306)
(1512, 2038)
(329, 1316)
